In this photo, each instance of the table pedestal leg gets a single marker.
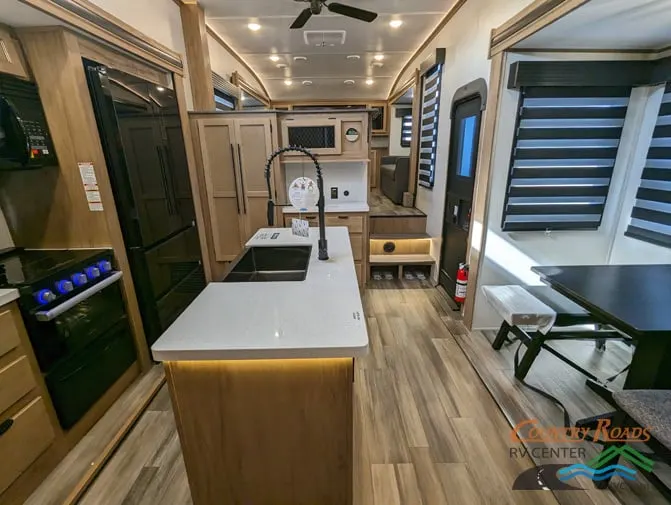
(651, 364)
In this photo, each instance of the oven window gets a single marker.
(312, 137)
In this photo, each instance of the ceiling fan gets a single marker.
(345, 10)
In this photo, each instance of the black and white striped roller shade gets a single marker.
(428, 133)
(565, 148)
(406, 130)
(651, 217)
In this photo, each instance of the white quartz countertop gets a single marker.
(331, 208)
(320, 317)
(8, 295)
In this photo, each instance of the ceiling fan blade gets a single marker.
(352, 12)
(302, 19)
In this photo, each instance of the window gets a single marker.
(406, 129)
(563, 156)
(467, 145)
(223, 101)
(651, 217)
(428, 134)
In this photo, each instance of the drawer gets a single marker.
(357, 246)
(313, 219)
(9, 333)
(16, 380)
(358, 267)
(29, 436)
(354, 223)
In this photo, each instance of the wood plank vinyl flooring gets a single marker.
(427, 431)
(380, 205)
(566, 384)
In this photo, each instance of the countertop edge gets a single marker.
(260, 354)
(8, 296)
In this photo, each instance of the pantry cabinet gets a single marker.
(234, 152)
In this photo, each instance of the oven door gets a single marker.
(73, 324)
(79, 380)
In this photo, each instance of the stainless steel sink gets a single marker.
(271, 264)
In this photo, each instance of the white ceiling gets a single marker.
(16, 14)
(608, 24)
(326, 67)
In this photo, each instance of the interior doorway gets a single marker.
(464, 143)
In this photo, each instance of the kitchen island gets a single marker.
(261, 381)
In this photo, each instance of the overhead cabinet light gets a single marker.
(255, 27)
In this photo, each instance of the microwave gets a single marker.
(321, 136)
(25, 142)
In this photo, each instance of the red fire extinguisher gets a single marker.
(462, 283)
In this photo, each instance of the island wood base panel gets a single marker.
(265, 432)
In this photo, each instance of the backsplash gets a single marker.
(351, 177)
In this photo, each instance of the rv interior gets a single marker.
(368, 252)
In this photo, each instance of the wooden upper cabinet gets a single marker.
(255, 145)
(11, 60)
(218, 146)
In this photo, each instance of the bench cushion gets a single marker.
(649, 408)
(518, 307)
(568, 312)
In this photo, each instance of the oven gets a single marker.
(76, 320)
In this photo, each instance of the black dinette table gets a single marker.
(635, 299)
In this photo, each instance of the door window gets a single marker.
(467, 143)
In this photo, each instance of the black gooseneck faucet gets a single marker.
(323, 249)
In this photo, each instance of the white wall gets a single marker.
(395, 148)
(224, 64)
(346, 176)
(159, 20)
(466, 38)
(509, 256)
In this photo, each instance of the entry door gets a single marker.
(459, 195)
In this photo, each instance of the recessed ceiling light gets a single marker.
(379, 57)
(395, 23)
(307, 83)
(255, 27)
(348, 82)
(378, 64)
(288, 82)
(300, 58)
(274, 57)
(354, 57)
(160, 88)
(370, 82)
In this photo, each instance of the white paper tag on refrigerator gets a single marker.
(300, 227)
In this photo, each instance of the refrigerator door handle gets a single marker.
(164, 180)
(242, 180)
(235, 178)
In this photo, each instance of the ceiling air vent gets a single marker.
(324, 38)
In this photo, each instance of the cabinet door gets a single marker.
(222, 180)
(254, 147)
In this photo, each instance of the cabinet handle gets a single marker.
(5, 425)
(343, 217)
(310, 218)
(164, 180)
(235, 178)
(242, 180)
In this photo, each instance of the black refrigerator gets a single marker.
(141, 133)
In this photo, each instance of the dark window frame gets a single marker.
(530, 156)
(223, 98)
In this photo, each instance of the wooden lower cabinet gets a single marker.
(27, 420)
(357, 224)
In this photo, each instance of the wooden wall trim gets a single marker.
(235, 55)
(477, 234)
(530, 20)
(94, 21)
(451, 12)
(197, 56)
(401, 90)
(55, 59)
